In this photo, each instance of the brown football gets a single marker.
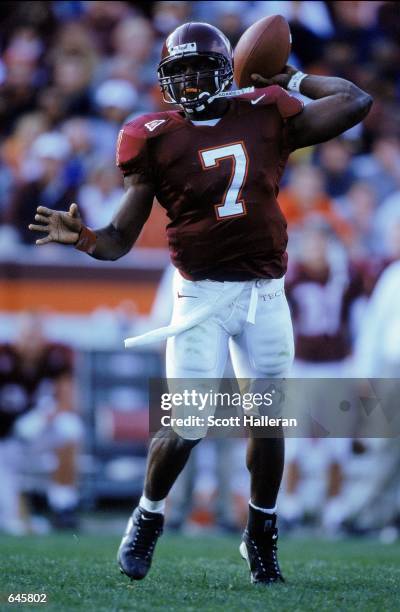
(263, 49)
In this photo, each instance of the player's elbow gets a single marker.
(360, 103)
(364, 103)
(122, 242)
(118, 252)
(116, 255)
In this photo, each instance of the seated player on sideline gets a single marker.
(214, 165)
(37, 415)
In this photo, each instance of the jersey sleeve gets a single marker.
(287, 105)
(132, 152)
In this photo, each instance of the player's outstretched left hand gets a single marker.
(278, 79)
(61, 227)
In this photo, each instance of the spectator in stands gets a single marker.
(102, 17)
(305, 198)
(169, 15)
(6, 184)
(229, 18)
(388, 214)
(48, 155)
(37, 413)
(53, 106)
(18, 92)
(100, 197)
(334, 159)
(134, 53)
(17, 146)
(83, 152)
(358, 206)
(74, 63)
(381, 168)
(114, 100)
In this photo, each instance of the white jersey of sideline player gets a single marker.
(378, 356)
(378, 346)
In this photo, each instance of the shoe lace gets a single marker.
(146, 535)
(266, 553)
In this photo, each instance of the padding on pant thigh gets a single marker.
(274, 357)
(196, 350)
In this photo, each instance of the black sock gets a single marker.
(258, 522)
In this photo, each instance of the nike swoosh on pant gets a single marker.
(189, 296)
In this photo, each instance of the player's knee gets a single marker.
(171, 433)
(189, 442)
(276, 360)
(192, 435)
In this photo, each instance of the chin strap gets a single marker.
(210, 98)
(201, 106)
(274, 94)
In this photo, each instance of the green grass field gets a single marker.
(80, 573)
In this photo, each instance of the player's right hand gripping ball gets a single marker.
(262, 49)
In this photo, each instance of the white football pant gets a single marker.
(254, 326)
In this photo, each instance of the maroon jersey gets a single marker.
(320, 305)
(371, 270)
(21, 384)
(218, 184)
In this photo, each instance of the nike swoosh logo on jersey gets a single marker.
(257, 99)
(191, 296)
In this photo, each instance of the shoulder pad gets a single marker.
(134, 134)
(150, 124)
(287, 105)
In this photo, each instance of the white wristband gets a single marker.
(296, 79)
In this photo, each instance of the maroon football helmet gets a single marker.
(214, 71)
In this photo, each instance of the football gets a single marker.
(263, 49)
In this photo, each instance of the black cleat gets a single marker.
(137, 546)
(259, 548)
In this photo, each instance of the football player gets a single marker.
(214, 163)
(37, 414)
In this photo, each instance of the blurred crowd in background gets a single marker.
(72, 72)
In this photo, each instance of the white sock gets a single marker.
(61, 497)
(152, 506)
(265, 510)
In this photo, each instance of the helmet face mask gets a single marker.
(196, 65)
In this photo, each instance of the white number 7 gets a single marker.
(232, 205)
